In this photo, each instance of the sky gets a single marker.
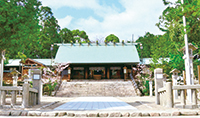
(100, 18)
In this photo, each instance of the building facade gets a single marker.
(97, 61)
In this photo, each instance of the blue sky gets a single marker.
(99, 18)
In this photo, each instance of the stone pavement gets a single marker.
(95, 103)
(139, 107)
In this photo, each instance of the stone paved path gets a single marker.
(95, 103)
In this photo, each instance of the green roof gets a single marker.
(97, 54)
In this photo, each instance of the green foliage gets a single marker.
(169, 44)
(147, 41)
(18, 25)
(50, 86)
(112, 38)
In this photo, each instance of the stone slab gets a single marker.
(95, 103)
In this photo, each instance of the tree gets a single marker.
(18, 25)
(171, 23)
(48, 35)
(112, 38)
(147, 41)
(80, 36)
(66, 35)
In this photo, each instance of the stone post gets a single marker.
(174, 80)
(150, 88)
(194, 98)
(169, 95)
(183, 102)
(13, 97)
(3, 97)
(25, 95)
(37, 83)
(158, 77)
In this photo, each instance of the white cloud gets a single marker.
(93, 4)
(65, 22)
(140, 16)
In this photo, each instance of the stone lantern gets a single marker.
(191, 49)
(15, 74)
(26, 78)
(174, 80)
(190, 79)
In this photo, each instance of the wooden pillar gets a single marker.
(198, 73)
(91, 72)
(184, 81)
(86, 73)
(125, 72)
(108, 72)
(69, 73)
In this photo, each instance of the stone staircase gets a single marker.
(97, 88)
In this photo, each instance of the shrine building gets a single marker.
(97, 60)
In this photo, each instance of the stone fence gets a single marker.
(166, 98)
(29, 95)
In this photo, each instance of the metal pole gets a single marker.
(187, 62)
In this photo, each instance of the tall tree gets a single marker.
(147, 41)
(112, 38)
(18, 25)
(80, 36)
(66, 35)
(49, 29)
(172, 24)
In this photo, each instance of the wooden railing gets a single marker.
(29, 95)
(166, 95)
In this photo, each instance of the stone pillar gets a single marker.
(150, 88)
(183, 102)
(194, 98)
(108, 72)
(13, 98)
(169, 95)
(69, 73)
(25, 95)
(37, 83)
(3, 97)
(174, 80)
(125, 72)
(158, 77)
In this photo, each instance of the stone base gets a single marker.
(186, 106)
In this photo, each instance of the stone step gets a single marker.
(111, 88)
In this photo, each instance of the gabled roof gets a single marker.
(190, 46)
(95, 54)
(16, 62)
